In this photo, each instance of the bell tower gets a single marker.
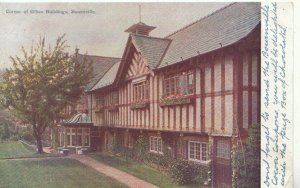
(140, 27)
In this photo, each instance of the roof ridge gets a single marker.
(100, 56)
(211, 14)
(145, 36)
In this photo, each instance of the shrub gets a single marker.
(185, 172)
(248, 160)
(141, 149)
(27, 136)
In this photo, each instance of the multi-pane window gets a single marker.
(156, 144)
(179, 84)
(141, 91)
(79, 137)
(198, 151)
(71, 137)
(113, 98)
(60, 136)
(82, 138)
(86, 137)
(99, 100)
(223, 150)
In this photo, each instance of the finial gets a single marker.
(140, 14)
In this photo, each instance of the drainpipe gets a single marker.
(91, 107)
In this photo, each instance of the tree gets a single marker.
(249, 161)
(42, 83)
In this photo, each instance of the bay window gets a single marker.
(179, 84)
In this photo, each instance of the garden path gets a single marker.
(119, 175)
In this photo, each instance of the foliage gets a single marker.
(42, 83)
(234, 162)
(118, 145)
(182, 171)
(27, 136)
(140, 148)
(248, 160)
(185, 172)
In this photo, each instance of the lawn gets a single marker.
(140, 170)
(48, 173)
(14, 149)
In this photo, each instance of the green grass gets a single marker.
(14, 149)
(52, 173)
(140, 170)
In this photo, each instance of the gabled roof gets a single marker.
(219, 29)
(100, 66)
(152, 48)
(108, 78)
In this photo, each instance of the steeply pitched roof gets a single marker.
(219, 29)
(151, 48)
(100, 66)
(222, 28)
(108, 78)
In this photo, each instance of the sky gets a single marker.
(100, 32)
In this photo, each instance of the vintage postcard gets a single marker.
(148, 94)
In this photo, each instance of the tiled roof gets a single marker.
(100, 66)
(221, 28)
(151, 48)
(108, 78)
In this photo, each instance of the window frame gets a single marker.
(86, 133)
(158, 145)
(113, 98)
(70, 132)
(173, 84)
(201, 144)
(223, 152)
(141, 91)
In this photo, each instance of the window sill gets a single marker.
(113, 108)
(139, 105)
(157, 153)
(200, 162)
(187, 99)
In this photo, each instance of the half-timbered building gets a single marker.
(193, 90)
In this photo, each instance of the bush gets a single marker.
(185, 172)
(248, 160)
(27, 136)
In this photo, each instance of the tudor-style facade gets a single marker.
(192, 91)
